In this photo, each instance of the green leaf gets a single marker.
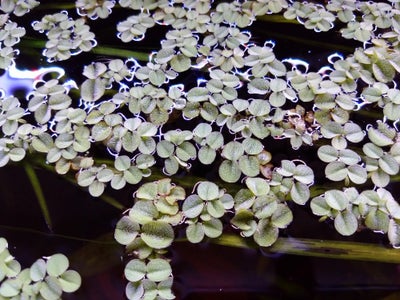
(126, 230)
(122, 162)
(135, 270)
(70, 281)
(233, 150)
(92, 89)
(212, 228)
(282, 216)
(192, 206)
(50, 289)
(57, 264)
(383, 70)
(300, 193)
(157, 234)
(195, 233)
(327, 153)
(242, 219)
(215, 208)
(336, 171)
(377, 220)
(249, 165)
(147, 191)
(394, 233)
(38, 270)
(206, 155)
(180, 63)
(258, 186)
(379, 137)
(303, 174)
(208, 190)
(229, 171)
(336, 199)
(9, 288)
(346, 223)
(96, 188)
(320, 207)
(287, 168)
(143, 211)
(357, 174)
(158, 269)
(266, 234)
(134, 290)
(388, 164)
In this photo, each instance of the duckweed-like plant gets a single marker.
(244, 102)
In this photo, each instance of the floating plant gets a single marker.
(245, 100)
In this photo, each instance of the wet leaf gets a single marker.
(135, 270)
(157, 234)
(92, 89)
(346, 223)
(266, 234)
(57, 264)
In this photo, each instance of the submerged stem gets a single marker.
(33, 178)
(319, 248)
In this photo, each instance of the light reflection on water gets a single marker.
(16, 80)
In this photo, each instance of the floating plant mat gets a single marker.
(193, 120)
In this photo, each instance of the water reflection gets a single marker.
(15, 81)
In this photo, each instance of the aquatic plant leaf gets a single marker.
(300, 193)
(135, 270)
(157, 234)
(92, 89)
(195, 233)
(38, 270)
(215, 208)
(208, 190)
(336, 199)
(380, 178)
(287, 168)
(380, 138)
(336, 171)
(96, 188)
(346, 223)
(147, 191)
(158, 269)
(383, 70)
(373, 151)
(242, 219)
(164, 289)
(388, 164)
(249, 165)
(9, 289)
(394, 233)
(143, 211)
(180, 63)
(303, 174)
(206, 155)
(266, 234)
(320, 207)
(57, 264)
(126, 230)
(327, 153)
(213, 228)
(70, 281)
(357, 174)
(282, 216)
(377, 220)
(229, 171)
(258, 186)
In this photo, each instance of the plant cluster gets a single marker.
(147, 118)
(47, 278)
